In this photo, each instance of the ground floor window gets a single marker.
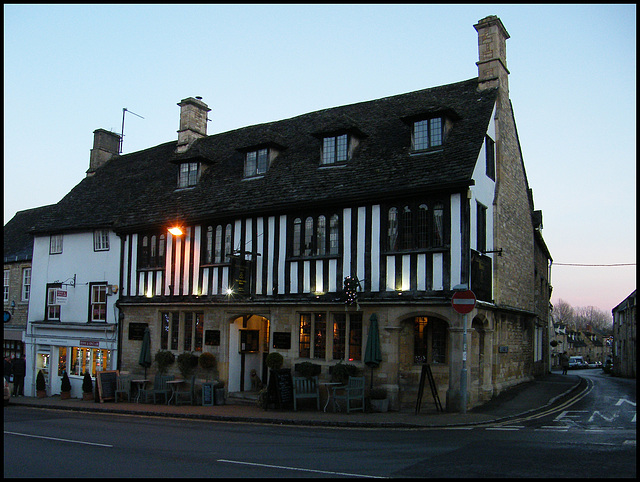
(84, 359)
(189, 330)
(337, 337)
(13, 348)
(430, 340)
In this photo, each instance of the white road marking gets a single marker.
(58, 439)
(299, 469)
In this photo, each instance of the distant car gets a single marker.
(7, 392)
(594, 364)
(576, 362)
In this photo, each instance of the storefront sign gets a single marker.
(61, 297)
(89, 343)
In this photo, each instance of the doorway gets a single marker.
(248, 346)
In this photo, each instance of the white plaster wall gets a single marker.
(77, 258)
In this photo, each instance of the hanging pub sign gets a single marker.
(240, 275)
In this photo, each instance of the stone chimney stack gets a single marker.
(106, 144)
(193, 122)
(492, 53)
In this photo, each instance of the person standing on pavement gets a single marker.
(564, 362)
(7, 369)
(19, 369)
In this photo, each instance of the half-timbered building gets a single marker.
(290, 236)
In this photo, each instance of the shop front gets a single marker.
(76, 350)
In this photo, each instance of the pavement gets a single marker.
(525, 399)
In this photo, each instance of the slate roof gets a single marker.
(18, 243)
(139, 189)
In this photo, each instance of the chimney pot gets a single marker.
(193, 122)
(106, 144)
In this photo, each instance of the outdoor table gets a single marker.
(327, 385)
(140, 386)
(173, 384)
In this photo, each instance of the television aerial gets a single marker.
(124, 111)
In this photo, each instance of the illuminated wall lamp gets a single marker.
(176, 231)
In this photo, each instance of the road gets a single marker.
(594, 436)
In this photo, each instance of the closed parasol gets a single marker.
(372, 353)
(145, 351)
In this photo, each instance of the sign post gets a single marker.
(463, 302)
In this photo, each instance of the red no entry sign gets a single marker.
(463, 301)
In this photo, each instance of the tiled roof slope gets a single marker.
(139, 189)
(18, 243)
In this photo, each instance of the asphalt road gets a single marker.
(594, 436)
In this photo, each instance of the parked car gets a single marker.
(7, 391)
(596, 364)
(576, 362)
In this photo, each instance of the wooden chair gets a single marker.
(123, 386)
(352, 391)
(304, 388)
(186, 396)
(159, 388)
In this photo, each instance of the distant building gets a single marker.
(18, 250)
(624, 337)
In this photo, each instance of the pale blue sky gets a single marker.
(70, 69)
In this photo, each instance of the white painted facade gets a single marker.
(75, 271)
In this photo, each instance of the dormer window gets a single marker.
(427, 133)
(335, 149)
(188, 174)
(256, 162)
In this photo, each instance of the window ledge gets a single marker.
(253, 178)
(425, 152)
(333, 166)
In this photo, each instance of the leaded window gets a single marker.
(427, 133)
(188, 174)
(256, 162)
(335, 149)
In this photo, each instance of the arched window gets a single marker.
(143, 260)
(308, 236)
(392, 229)
(438, 225)
(161, 245)
(227, 243)
(297, 230)
(407, 228)
(208, 257)
(153, 260)
(321, 240)
(422, 227)
(334, 235)
(218, 249)
(429, 340)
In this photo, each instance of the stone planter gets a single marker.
(380, 405)
(87, 396)
(41, 393)
(65, 395)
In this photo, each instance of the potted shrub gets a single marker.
(164, 359)
(378, 399)
(65, 388)
(41, 385)
(207, 362)
(87, 387)
(187, 364)
(274, 360)
(341, 372)
(308, 369)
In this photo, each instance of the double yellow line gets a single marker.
(552, 410)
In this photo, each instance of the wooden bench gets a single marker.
(304, 388)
